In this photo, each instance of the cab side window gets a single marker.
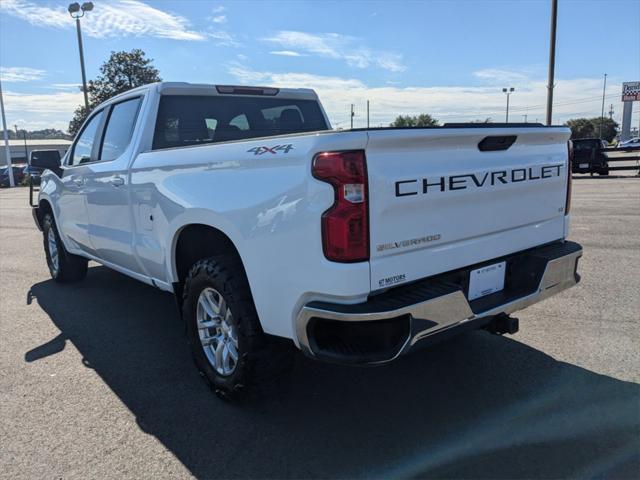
(119, 129)
(84, 145)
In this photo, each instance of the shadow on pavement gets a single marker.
(477, 406)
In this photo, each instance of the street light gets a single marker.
(77, 11)
(508, 91)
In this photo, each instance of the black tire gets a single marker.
(604, 171)
(70, 268)
(261, 358)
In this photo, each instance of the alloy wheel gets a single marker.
(216, 331)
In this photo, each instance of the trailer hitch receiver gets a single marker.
(504, 323)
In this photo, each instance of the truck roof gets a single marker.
(185, 88)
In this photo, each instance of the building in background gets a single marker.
(21, 149)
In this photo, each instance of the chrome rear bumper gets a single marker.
(444, 306)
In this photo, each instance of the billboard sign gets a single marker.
(631, 91)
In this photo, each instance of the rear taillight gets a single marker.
(345, 226)
(567, 203)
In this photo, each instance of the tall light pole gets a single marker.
(5, 134)
(604, 89)
(552, 60)
(352, 115)
(77, 11)
(508, 91)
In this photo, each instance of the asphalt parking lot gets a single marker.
(96, 380)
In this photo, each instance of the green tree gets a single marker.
(422, 120)
(590, 128)
(123, 71)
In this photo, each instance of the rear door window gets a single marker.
(185, 120)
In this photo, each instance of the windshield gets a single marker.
(194, 120)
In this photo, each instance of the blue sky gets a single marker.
(447, 58)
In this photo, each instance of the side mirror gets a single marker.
(46, 162)
(49, 160)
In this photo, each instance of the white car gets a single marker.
(631, 143)
(271, 228)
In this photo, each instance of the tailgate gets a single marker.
(438, 203)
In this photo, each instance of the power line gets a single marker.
(484, 113)
(572, 102)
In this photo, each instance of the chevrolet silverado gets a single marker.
(270, 227)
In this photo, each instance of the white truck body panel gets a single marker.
(469, 223)
(270, 206)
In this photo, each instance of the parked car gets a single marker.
(18, 175)
(34, 173)
(632, 143)
(589, 157)
(270, 228)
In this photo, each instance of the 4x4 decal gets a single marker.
(273, 150)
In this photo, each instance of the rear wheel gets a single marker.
(227, 343)
(63, 266)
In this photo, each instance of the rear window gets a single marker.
(585, 145)
(195, 120)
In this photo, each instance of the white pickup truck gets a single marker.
(265, 223)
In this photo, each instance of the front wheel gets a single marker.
(63, 266)
(224, 333)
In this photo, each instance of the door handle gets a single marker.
(79, 181)
(117, 181)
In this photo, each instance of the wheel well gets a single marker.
(44, 207)
(196, 242)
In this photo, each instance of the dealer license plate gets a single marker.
(486, 280)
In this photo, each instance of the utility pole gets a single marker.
(611, 112)
(367, 113)
(5, 133)
(352, 114)
(552, 60)
(604, 89)
(525, 117)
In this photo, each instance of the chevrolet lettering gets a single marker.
(476, 180)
